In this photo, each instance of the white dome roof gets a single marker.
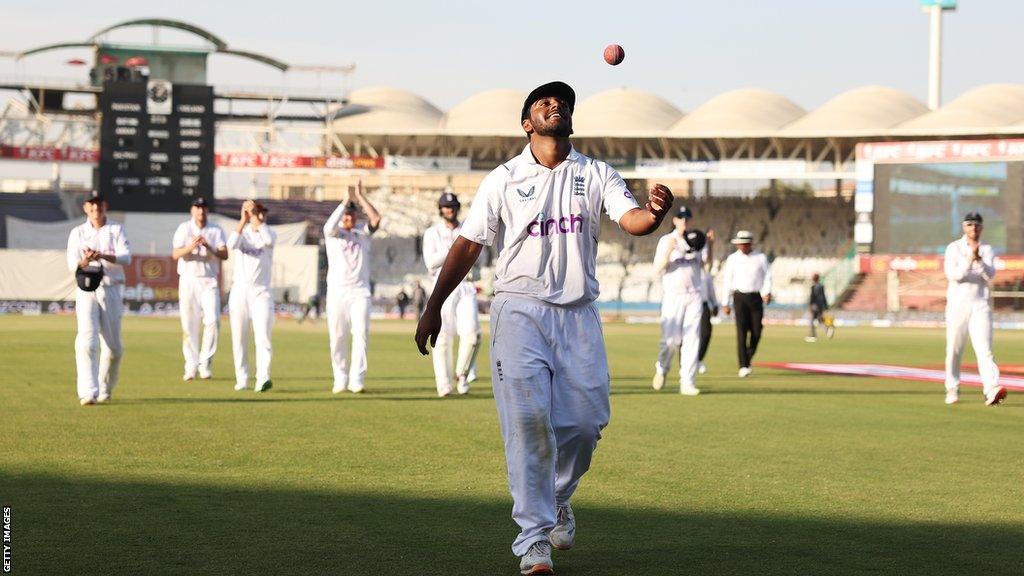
(623, 112)
(990, 106)
(382, 110)
(868, 109)
(491, 113)
(744, 112)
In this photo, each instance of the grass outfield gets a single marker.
(782, 473)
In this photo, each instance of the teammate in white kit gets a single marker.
(459, 314)
(97, 252)
(679, 257)
(251, 303)
(199, 246)
(542, 211)
(348, 289)
(969, 268)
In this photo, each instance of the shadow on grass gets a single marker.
(89, 526)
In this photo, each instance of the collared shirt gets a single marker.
(683, 269)
(252, 256)
(348, 255)
(746, 273)
(968, 278)
(544, 223)
(437, 241)
(107, 239)
(201, 262)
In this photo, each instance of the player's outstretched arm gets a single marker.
(459, 262)
(372, 215)
(643, 221)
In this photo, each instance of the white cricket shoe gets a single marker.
(810, 339)
(952, 396)
(102, 398)
(689, 390)
(744, 372)
(471, 377)
(189, 375)
(462, 387)
(339, 387)
(702, 368)
(563, 535)
(205, 373)
(537, 560)
(241, 386)
(997, 396)
(356, 388)
(87, 401)
(444, 392)
(659, 380)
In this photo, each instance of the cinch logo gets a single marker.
(570, 224)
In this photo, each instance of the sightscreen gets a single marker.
(919, 207)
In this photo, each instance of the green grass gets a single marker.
(782, 473)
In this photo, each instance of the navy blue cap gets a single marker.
(684, 212)
(973, 217)
(448, 200)
(556, 88)
(200, 203)
(95, 197)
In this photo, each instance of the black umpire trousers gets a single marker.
(749, 310)
(705, 332)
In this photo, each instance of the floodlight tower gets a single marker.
(934, 9)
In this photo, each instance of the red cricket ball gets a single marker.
(614, 54)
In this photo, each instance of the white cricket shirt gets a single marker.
(545, 222)
(968, 279)
(201, 262)
(107, 239)
(252, 255)
(746, 273)
(348, 255)
(683, 273)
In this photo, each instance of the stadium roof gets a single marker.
(866, 110)
(381, 110)
(624, 112)
(869, 111)
(988, 107)
(747, 112)
(492, 113)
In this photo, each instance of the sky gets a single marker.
(684, 51)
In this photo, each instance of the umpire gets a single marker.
(747, 287)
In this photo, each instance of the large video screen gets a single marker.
(919, 207)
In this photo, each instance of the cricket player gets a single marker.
(679, 258)
(348, 289)
(199, 247)
(98, 249)
(747, 287)
(969, 268)
(542, 211)
(459, 314)
(251, 303)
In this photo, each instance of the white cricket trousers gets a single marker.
(974, 317)
(99, 323)
(459, 315)
(680, 330)
(348, 315)
(251, 310)
(199, 307)
(551, 385)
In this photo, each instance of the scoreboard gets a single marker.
(156, 145)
